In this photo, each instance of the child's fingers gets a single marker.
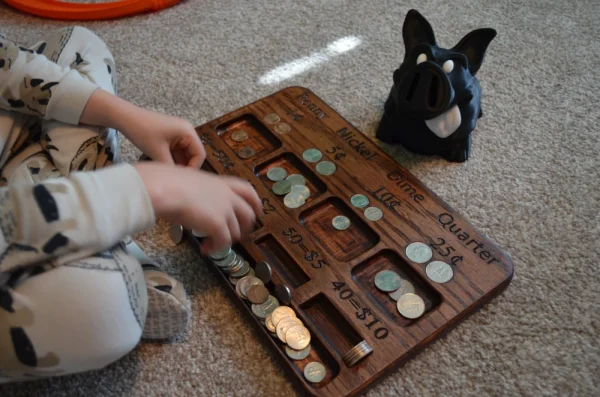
(247, 192)
(234, 227)
(244, 214)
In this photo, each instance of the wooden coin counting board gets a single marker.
(331, 272)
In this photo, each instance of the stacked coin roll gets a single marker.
(357, 353)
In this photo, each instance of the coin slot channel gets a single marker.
(346, 244)
(247, 131)
(364, 274)
(292, 165)
(331, 324)
(284, 266)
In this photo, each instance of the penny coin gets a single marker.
(283, 293)
(176, 233)
(272, 118)
(359, 200)
(269, 323)
(373, 214)
(280, 313)
(314, 372)
(263, 271)
(439, 271)
(387, 281)
(246, 152)
(285, 324)
(326, 168)
(302, 190)
(297, 354)
(264, 309)
(341, 222)
(219, 255)
(276, 174)
(282, 128)
(297, 337)
(419, 252)
(411, 306)
(252, 281)
(312, 155)
(239, 136)
(283, 187)
(257, 294)
(296, 179)
(293, 200)
(405, 288)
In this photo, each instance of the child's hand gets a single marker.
(225, 208)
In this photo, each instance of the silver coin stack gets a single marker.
(231, 264)
(357, 353)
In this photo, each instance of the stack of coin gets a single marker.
(357, 353)
(408, 303)
(289, 329)
(292, 187)
(232, 264)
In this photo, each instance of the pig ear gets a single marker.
(474, 45)
(416, 30)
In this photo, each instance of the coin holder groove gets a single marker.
(260, 138)
(285, 268)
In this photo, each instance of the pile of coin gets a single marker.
(232, 264)
(357, 353)
(292, 187)
(437, 271)
(409, 305)
(371, 213)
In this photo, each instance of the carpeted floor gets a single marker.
(532, 183)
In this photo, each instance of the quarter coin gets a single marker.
(439, 271)
(373, 214)
(312, 155)
(272, 118)
(326, 168)
(293, 200)
(405, 288)
(387, 281)
(282, 128)
(297, 354)
(257, 294)
(246, 152)
(283, 187)
(340, 222)
(419, 252)
(297, 337)
(264, 309)
(296, 179)
(280, 313)
(314, 372)
(302, 190)
(239, 136)
(411, 306)
(359, 200)
(276, 174)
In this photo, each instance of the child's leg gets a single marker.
(73, 318)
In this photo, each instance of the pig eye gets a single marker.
(422, 58)
(448, 66)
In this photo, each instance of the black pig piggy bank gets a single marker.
(435, 101)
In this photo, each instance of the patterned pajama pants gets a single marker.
(85, 314)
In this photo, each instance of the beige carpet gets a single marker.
(532, 184)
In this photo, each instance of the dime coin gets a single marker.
(176, 233)
(326, 168)
(293, 200)
(314, 372)
(272, 118)
(297, 354)
(283, 294)
(257, 294)
(285, 324)
(419, 252)
(269, 323)
(405, 288)
(359, 200)
(239, 136)
(263, 271)
(280, 313)
(302, 190)
(373, 214)
(264, 309)
(276, 174)
(219, 255)
(252, 281)
(411, 306)
(340, 222)
(387, 281)
(297, 337)
(312, 155)
(296, 179)
(282, 128)
(246, 152)
(282, 187)
(439, 271)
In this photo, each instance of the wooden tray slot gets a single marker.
(344, 245)
(364, 275)
(292, 165)
(259, 137)
(334, 328)
(281, 262)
